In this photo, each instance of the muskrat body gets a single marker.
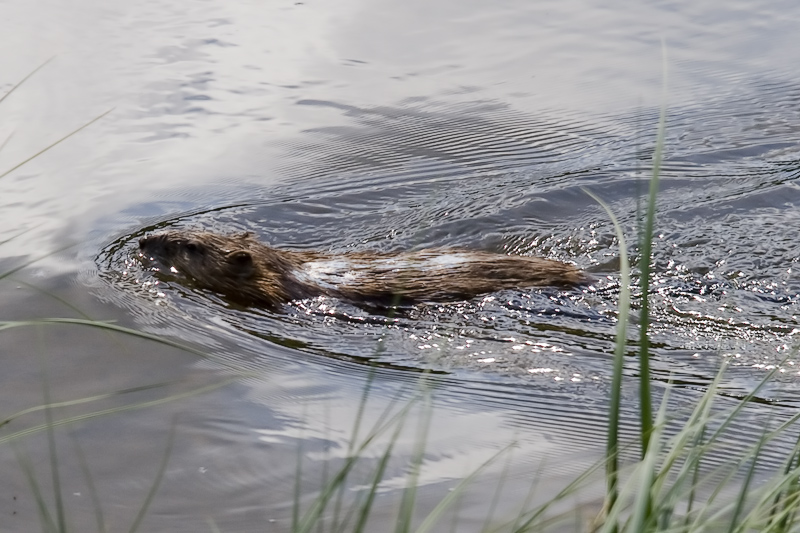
(253, 273)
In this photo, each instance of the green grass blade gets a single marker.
(364, 512)
(298, 477)
(645, 396)
(243, 372)
(156, 482)
(17, 235)
(53, 145)
(406, 512)
(497, 492)
(87, 399)
(792, 493)
(114, 410)
(362, 404)
(16, 86)
(311, 517)
(735, 525)
(17, 268)
(46, 520)
(213, 526)
(53, 296)
(2, 146)
(98, 509)
(643, 517)
(571, 488)
(515, 525)
(451, 497)
(695, 463)
(612, 441)
(51, 442)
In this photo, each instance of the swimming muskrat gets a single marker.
(253, 273)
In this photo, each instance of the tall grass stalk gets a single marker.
(645, 396)
(612, 440)
(54, 144)
(114, 410)
(162, 467)
(51, 145)
(23, 80)
(430, 520)
(87, 475)
(354, 439)
(786, 501)
(366, 507)
(405, 514)
(45, 518)
(311, 518)
(240, 370)
(743, 492)
(360, 511)
(86, 399)
(644, 519)
(499, 489)
(51, 439)
(646, 242)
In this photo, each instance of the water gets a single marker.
(388, 126)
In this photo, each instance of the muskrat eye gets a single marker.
(193, 247)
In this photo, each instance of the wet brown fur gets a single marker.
(248, 271)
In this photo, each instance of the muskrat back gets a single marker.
(251, 272)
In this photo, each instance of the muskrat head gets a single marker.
(238, 266)
(213, 261)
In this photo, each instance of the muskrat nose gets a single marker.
(142, 243)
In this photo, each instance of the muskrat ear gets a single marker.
(242, 261)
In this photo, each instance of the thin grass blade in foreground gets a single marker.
(406, 512)
(23, 80)
(362, 404)
(645, 400)
(456, 492)
(786, 502)
(366, 507)
(644, 518)
(114, 410)
(86, 399)
(243, 372)
(87, 475)
(53, 145)
(51, 439)
(45, 518)
(624, 305)
(311, 518)
(156, 482)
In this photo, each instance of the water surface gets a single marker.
(388, 126)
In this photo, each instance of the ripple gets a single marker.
(724, 287)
